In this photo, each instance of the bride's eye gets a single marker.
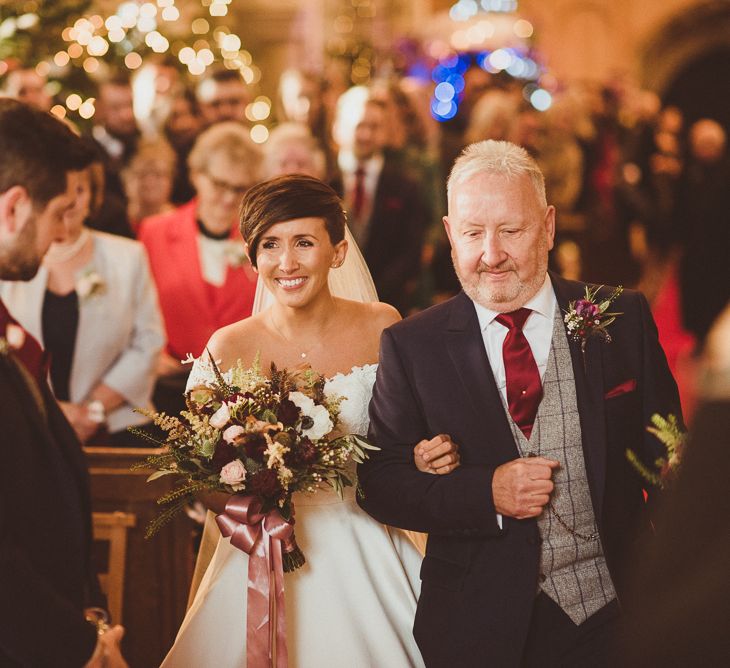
(305, 243)
(268, 245)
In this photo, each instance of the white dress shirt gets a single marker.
(538, 331)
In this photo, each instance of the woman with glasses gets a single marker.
(203, 277)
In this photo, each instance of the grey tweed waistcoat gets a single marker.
(573, 571)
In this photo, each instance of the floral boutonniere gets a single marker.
(235, 254)
(589, 317)
(90, 284)
(673, 438)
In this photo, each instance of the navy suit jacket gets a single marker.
(46, 577)
(479, 581)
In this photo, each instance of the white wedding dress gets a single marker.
(351, 605)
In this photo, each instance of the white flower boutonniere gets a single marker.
(90, 284)
(235, 254)
(587, 317)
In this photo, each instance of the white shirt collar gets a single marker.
(543, 303)
(349, 164)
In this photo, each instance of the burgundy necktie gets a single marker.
(524, 389)
(29, 351)
(358, 200)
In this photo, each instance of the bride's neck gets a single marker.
(306, 320)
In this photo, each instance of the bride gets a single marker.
(354, 601)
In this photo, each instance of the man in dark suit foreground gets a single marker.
(529, 539)
(45, 517)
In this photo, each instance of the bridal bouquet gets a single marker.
(259, 438)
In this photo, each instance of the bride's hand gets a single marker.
(438, 456)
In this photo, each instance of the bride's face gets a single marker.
(294, 260)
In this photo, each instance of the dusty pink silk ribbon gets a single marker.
(261, 537)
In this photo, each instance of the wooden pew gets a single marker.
(158, 571)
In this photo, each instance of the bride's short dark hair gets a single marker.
(288, 198)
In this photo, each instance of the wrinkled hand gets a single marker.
(439, 455)
(108, 654)
(521, 488)
(78, 416)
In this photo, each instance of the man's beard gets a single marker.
(514, 290)
(20, 262)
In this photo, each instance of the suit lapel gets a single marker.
(588, 373)
(465, 346)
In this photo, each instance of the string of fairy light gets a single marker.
(490, 35)
(139, 27)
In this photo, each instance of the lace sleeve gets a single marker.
(201, 373)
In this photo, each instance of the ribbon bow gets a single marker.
(261, 537)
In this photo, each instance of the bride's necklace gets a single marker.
(59, 253)
(304, 353)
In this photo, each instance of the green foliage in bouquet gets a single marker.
(262, 435)
(666, 468)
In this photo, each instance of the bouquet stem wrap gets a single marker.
(264, 537)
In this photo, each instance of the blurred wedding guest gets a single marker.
(203, 277)
(115, 129)
(26, 85)
(148, 180)
(93, 306)
(703, 216)
(291, 149)
(385, 208)
(46, 577)
(222, 95)
(181, 129)
(681, 585)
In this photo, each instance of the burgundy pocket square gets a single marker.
(622, 388)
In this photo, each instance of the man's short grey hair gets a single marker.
(497, 158)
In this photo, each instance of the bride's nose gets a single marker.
(288, 261)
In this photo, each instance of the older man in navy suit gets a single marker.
(529, 538)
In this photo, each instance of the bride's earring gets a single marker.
(336, 265)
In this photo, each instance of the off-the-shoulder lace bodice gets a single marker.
(356, 387)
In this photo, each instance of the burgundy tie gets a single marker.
(358, 200)
(524, 389)
(30, 352)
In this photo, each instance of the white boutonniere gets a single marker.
(235, 254)
(89, 284)
(14, 338)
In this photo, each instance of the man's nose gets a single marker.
(492, 252)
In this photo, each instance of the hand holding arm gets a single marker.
(437, 456)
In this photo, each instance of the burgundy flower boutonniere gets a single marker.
(588, 317)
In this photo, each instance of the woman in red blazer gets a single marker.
(203, 277)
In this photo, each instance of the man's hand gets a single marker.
(78, 416)
(521, 488)
(107, 653)
(438, 456)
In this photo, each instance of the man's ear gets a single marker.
(550, 226)
(447, 227)
(15, 209)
